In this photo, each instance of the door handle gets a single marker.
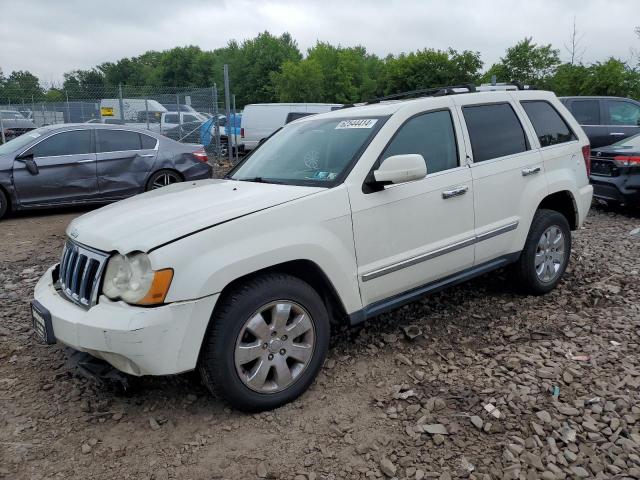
(455, 192)
(530, 171)
(86, 160)
(146, 155)
(617, 134)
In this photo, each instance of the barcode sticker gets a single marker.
(357, 123)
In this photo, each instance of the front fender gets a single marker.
(316, 228)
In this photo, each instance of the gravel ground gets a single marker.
(495, 385)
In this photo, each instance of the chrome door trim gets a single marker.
(438, 252)
(455, 192)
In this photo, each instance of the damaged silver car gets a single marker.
(61, 165)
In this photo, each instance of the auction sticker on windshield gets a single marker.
(357, 123)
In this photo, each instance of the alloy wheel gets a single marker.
(164, 179)
(550, 254)
(275, 346)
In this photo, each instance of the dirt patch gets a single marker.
(383, 405)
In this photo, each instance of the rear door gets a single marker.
(124, 161)
(622, 117)
(589, 114)
(66, 170)
(507, 174)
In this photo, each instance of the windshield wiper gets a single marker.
(259, 180)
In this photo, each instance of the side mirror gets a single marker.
(30, 163)
(401, 169)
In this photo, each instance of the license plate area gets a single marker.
(42, 325)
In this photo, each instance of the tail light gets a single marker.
(201, 155)
(627, 161)
(242, 133)
(586, 153)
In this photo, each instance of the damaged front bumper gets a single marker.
(160, 340)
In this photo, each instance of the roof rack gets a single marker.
(451, 90)
(426, 92)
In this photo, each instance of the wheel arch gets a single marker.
(11, 201)
(564, 203)
(307, 271)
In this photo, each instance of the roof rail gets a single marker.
(426, 92)
(512, 85)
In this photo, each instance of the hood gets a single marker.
(160, 216)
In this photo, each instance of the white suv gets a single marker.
(339, 216)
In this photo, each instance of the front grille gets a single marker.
(80, 273)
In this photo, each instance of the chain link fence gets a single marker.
(190, 115)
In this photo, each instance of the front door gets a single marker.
(508, 173)
(66, 170)
(125, 159)
(410, 234)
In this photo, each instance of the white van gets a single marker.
(133, 107)
(260, 120)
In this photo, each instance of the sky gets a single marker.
(50, 37)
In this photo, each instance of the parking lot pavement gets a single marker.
(497, 385)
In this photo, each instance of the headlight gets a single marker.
(131, 278)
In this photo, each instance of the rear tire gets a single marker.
(266, 342)
(546, 253)
(162, 178)
(4, 204)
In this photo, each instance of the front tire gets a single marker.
(4, 204)
(266, 342)
(546, 253)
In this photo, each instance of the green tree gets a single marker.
(526, 62)
(258, 58)
(430, 68)
(22, 86)
(299, 82)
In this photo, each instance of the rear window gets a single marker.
(117, 140)
(550, 127)
(148, 142)
(586, 112)
(494, 131)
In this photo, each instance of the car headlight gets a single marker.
(131, 278)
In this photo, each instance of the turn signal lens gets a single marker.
(159, 287)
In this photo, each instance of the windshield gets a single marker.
(631, 142)
(312, 152)
(19, 142)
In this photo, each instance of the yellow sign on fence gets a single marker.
(106, 111)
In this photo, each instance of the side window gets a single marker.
(622, 113)
(431, 135)
(291, 116)
(148, 142)
(494, 131)
(171, 118)
(66, 143)
(550, 127)
(587, 112)
(117, 140)
(189, 118)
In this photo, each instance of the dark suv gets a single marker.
(605, 120)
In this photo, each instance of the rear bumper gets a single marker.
(140, 341)
(621, 189)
